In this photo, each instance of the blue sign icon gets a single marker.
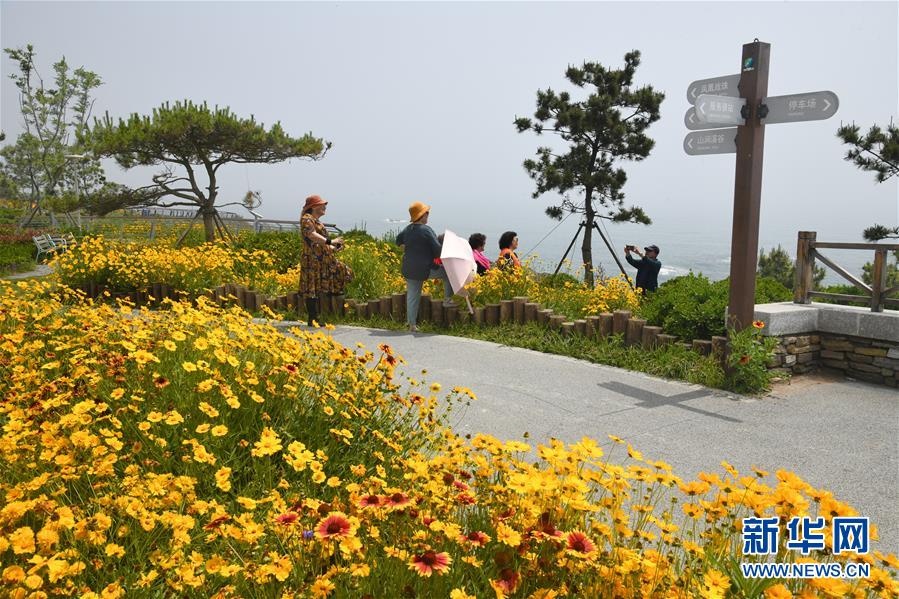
(748, 64)
(850, 534)
(803, 535)
(760, 536)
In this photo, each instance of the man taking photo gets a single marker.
(647, 266)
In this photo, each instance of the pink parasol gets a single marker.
(458, 261)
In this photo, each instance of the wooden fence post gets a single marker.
(530, 311)
(479, 315)
(803, 278)
(878, 280)
(634, 334)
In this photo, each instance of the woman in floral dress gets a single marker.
(321, 273)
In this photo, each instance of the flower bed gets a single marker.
(130, 266)
(192, 453)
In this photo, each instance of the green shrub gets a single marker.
(285, 247)
(16, 257)
(750, 353)
(693, 307)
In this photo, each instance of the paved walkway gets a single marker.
(838, 435)
(40, 270)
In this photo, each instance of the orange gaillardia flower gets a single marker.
(429, 562)
(476, 538)
(507, 582)
(580, 543)
(758, 324)
(370, 501)
(335, 526)
(744, 359)
(397, 500)
(287, 519)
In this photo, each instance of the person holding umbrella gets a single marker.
(420, 248)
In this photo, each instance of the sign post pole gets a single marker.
(748, 187)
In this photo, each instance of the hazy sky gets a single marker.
(419, 98)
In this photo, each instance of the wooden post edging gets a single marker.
(556, 320)
(424, 308)
(437, 311)
(398, 307)
(650, 338)
(592, 326)
(702, 346)
(506, 311)
(634, 333)
(606, 324)
(518, 304)
(619, 321)
(491, 314)
(580, 327)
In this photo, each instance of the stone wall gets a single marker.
(859, 358)
(856, 342)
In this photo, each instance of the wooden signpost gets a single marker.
(742, 100)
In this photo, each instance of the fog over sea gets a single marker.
(688, 244)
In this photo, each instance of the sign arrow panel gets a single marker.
(693, 123)
(713, 141)
(726, 85)
(719, 110)
(794, 108)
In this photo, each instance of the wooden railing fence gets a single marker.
(876, 294)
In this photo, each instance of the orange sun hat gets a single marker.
(417, 210)
(313, 201)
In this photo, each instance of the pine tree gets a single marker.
(198, 142)
(599, 131)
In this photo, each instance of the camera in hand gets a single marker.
(630, 247)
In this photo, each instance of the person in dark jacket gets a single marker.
(420, 248)
(647, 266)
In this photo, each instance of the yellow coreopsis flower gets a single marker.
(268, 444)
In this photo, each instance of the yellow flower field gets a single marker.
(189, 452)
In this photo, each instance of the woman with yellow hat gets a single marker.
(420, 247)
(321, 273)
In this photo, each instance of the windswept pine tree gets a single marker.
(191, 142)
